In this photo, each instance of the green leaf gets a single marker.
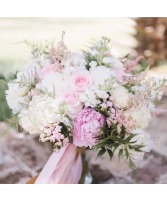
(113, 126)
(101, 144)
(101, 152)
(138, 150)
(115, 147)
(126, 153)
(126, 56)
(131, 136)
(110, 146)
(115, 138)
(110, 153)
(131, 164)
(120, 153)
(133, 142)
(123, 130)
(138, 146)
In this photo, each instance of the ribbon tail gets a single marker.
(63, 167)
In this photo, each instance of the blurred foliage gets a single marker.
(152, 39)
(5, 112)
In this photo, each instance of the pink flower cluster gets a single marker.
(87, 127)
(117, 117)
(52, 133)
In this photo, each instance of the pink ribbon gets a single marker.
(63, 167)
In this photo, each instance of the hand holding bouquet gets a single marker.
(89, 100)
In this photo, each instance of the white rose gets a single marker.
(120, 96)
(54, 83)
(142, 117)
(15, 96)
(39, 113)
(100, 75)
(142, 138)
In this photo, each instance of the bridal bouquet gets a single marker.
(87, 100)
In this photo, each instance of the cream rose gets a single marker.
(142, 117)
(120, 96)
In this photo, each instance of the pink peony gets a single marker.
(81, 80)
(73, 101)
(87, 126)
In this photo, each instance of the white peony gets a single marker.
(101, 76)
(142, 117)
(120, 96)
(39, 113)
(75, 60)
(16, 97)
(142, 138)
(54, 83)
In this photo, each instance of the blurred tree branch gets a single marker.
(152, 39)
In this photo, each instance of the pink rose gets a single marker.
(87, 127)
(81, 80)
(73, 101)
(48, 69)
